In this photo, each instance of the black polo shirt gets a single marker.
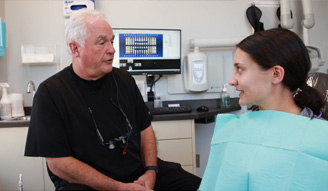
(61, 123)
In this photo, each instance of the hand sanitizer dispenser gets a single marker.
(225, 97)
(195, 76)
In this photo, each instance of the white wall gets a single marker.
(41, 23)
(36, 22)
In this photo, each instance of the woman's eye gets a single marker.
(238, 69)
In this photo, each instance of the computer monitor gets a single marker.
(148, 51)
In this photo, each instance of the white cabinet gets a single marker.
(176, 142)
(13, 162)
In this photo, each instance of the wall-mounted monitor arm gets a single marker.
(308, 21)
(214, 43)
(285, 15)
(150, 79)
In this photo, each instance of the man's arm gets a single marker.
(148, 147)
(149, 157)
(75, 171)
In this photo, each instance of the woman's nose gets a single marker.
(232, 81)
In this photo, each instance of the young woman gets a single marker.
(270, 71)
(275, 148)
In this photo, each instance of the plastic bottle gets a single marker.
(17, 105)
(225, 97)
(5, 103)
(20, 182)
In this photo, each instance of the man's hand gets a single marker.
(75, 171)
(133, 186)
(147, 180)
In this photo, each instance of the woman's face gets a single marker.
(253, 83)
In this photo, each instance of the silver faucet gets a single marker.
(29, 84)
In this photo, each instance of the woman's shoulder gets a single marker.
(306, 112)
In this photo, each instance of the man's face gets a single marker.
(96, 57)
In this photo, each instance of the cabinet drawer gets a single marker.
(173, 129)
(13, 162)
(179, 151)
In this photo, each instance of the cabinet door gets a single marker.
(13, 162)
(179, 150)
(176, 142)
(173, 129)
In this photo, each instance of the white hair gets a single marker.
(76, 29)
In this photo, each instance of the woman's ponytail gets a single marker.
(311, 98)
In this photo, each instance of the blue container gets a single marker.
(2, 38)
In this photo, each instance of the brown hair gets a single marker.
(284, 48)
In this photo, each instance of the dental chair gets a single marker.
(319, 81)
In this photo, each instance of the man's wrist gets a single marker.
(154, 168)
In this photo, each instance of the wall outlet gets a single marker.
(197, 160)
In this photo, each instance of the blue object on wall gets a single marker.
(2, 38)
(73, 5)
(267, 150)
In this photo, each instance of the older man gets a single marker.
(91, 124)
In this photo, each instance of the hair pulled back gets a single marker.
(284, 48)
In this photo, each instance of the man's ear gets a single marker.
(278, 74)
(74, 47)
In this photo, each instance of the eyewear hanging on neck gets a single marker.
(123, 140)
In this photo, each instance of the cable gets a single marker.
(151, 82)
(151, 86)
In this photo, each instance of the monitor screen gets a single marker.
(148, 51)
